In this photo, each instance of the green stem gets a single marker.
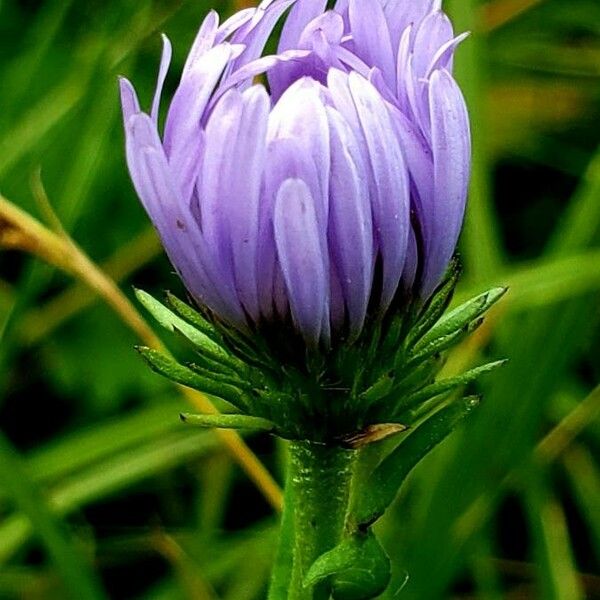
(316, 502)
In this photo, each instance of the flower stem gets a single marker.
(316, 502)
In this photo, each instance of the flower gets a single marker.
(325, 195)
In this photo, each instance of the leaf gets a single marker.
(461, 316)
(359, 567)
(385, 481)
(171, 369)
(78, 576)
(228, 422)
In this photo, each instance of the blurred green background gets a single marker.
(104, 494)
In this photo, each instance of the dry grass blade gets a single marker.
(20, 231)
(497, 13)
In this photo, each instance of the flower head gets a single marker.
(327, 192)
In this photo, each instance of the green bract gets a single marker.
(334, 404)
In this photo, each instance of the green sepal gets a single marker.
(436, 306)
(171, 369)
(228, 378)
(447, 385)
(436, 347)
(172, 322)
(187, 313)
(224, 335)
(381, 388)
(407, 380)
(228, 422)
(383, 484)
(460, 317)
(359, 568)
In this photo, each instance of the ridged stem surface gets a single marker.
(316, 502)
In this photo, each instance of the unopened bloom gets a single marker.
(323, 193)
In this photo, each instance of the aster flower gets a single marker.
(311, 201)
(324, 193)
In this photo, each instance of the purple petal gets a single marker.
(254, 68)
(130, 104)
(241, 196)
(186, 164)
(177, 228)
(371, 37)
(205, 40)
(191, 99)
(303, 12)
(221, 138)
(231, 25)
(389, 182)
(433, 32)
(412, 262)
(443, 57)
(300, 114)
(402, 69)
(451, 147)
(402, 13)
(165, 61)
(256, 37)
(350, 224)
(302, 262)
(286, 159)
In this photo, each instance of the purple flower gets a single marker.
(329, 194)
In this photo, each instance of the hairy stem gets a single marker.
(316, 502)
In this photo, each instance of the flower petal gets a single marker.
(434, 31)
(130, 104)
(300, 114)
(191, 98)
(451, 146)
(302, 13)
(255, 37)
(371, 37)
(165, 61)
(350, 222)
(389, 182)
(205, 40)
(242, 195)
(235, 22)
(177, 228)
(286, 159)
(302, 262)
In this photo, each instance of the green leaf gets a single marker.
(170, 321)
(460, 317)
(385, 481)
(110, 476)
(228, 422)
(447, 385)
(359, 567)
(171, 369)
(557, 569)
(78, 576)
